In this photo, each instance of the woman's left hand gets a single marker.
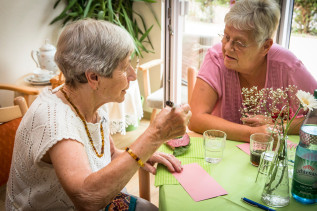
(168, 160)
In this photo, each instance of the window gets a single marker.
(197, 23)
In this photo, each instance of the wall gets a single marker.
(155, 36)
(24, 26)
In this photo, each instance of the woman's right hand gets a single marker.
(256, 121)
(171, 122)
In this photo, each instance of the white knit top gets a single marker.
(33, 184)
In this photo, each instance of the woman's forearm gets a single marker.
(94, 190)
(295, 126)
(238, 132)
(99, 187)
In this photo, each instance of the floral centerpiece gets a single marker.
(276, 108)
(267, 102)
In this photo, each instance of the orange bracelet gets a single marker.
(134, 156)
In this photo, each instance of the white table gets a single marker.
(127, 113)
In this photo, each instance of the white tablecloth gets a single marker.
(129, 112)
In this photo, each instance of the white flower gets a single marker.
(307, 100)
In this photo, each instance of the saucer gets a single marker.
(31, 79)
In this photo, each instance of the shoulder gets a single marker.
(286, 69)
(283, 61)
(215, 52)
(280, 55)
(213, 70)
(46, 106)
(49, 115)
(213, 60)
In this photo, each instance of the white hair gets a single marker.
(91, 45)
(261, 17)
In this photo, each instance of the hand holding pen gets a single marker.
(170, 104)
(174, 106)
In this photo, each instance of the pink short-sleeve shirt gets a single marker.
(283, 69)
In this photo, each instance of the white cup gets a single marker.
(41, 74)
(214, 142)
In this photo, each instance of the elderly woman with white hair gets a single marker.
(64, 157)
(246, 57)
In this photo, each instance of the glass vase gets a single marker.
(276, 188)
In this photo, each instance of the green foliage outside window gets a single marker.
(305, 16)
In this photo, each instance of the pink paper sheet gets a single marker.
(198, 183)
(246, 146)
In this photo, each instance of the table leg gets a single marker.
(144, 184)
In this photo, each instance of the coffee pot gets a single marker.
(44, 58)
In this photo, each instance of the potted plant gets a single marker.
(119, 12)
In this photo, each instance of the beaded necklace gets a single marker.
(86, 127)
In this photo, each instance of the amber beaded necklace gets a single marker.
(86, 127)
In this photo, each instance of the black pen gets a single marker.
(170, 104)
(255, 204)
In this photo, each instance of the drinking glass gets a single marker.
(259, 143)
(214, 142)
(265, 162)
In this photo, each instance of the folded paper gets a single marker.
(198, 183)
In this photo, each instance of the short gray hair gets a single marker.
(94, 45)
(261, 17)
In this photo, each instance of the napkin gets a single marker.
(198, 183)
(244, 147)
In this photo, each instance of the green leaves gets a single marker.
(180, 150)
(87, 8)
(119, 12)
(64, 12)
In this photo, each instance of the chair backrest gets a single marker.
(24, 90)
(10, 118)
(145, 69)
(191, 80)
(13, 112)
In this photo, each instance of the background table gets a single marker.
(236, 175)
(21, 82)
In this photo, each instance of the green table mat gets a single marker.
(236, 175)
(195, 154)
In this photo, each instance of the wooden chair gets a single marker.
(25, 91)
(144, 176)
(10, 118)
(154, 99)
(191, 80)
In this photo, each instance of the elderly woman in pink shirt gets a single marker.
(246, 57)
